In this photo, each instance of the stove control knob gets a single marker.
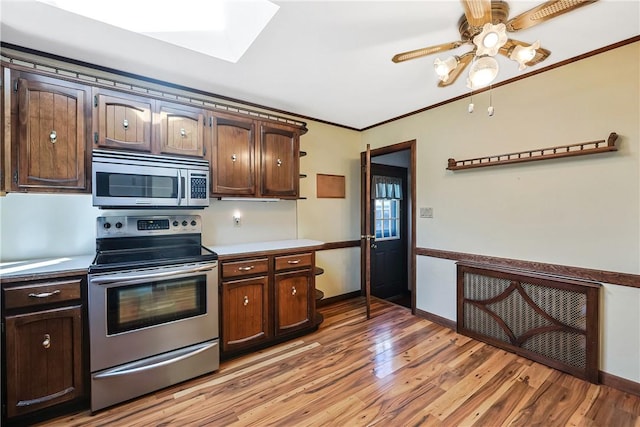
(118, 225)
(184, 223)
(107, 225)
(193, 222)
(176, 223)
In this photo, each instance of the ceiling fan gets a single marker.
(484, 26)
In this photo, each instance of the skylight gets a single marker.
(223, 29)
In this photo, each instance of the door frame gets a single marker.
(411, 250)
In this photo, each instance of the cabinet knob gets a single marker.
(47, 341)
(53, 137)
(293, 290)
(125, 124)
(183, 133)
(279, 162)
(246, 300)
(233, 158)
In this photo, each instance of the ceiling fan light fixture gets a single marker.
(491, 39)
(483, 72)
(444, 68)
(523, 54)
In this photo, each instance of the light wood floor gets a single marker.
(393, 370)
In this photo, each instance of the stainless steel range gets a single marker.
(153, 306)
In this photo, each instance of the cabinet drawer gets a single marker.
(36, 294)
(293, 261)
(245, 268)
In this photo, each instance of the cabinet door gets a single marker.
(181, 130)
(51, 134)
(232, 156)
(245, 313)
(43, 359)
(280, 166)
(293, 296)
(122, 121)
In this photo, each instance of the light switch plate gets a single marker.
(426, 212)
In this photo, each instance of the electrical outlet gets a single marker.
(426, 212)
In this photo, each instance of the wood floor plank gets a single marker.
(392, 370)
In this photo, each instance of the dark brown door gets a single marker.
(181, 130)
(232, 156)
(389, 219)
(293, 299)
(367, 237)
(245, 312)
(279, 164)
(51, 134)
(122, 121)
(43, 359)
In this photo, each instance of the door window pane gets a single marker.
(387, 219)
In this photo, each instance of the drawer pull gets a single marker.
(125, 124)
(234, 157)
(47, 341)
(278, 162)
(247, 268)
(45, 294)
(293, 290)
(53, 137)
(293, 261)
(183, 133)
(246, 300)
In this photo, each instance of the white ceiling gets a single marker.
(327, 60)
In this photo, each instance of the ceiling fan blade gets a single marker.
(544, 12)
(463, 61)
(477, 12)
(541, 53)
(418, 53)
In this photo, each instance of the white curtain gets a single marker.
(386, 187)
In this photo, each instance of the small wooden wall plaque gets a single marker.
(330, 186)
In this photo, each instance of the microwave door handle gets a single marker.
(180, 189)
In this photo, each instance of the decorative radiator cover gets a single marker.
(550, 319)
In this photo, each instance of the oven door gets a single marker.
(142, 313)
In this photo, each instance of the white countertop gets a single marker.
(81, 263)
(31, 267)
(264, 246)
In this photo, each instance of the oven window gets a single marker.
(154, 303)
(138, 186)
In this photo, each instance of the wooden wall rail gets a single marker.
(579, 149)
(623, 279)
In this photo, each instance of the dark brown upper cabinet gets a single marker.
(48, 134)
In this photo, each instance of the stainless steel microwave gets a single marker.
(138, 180)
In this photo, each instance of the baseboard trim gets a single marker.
(619, 383)
(442, 321)
(337, 298)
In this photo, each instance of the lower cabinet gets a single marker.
(44, 358)
(246, 312)
(266, 299)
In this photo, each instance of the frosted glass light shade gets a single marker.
(524, 54)
(443, 68)
(483, 71)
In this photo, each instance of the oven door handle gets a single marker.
(156, 361)
(132, 278)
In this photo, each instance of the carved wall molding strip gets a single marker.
(616, 278)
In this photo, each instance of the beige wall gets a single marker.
(582, 211)
(334, 151)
